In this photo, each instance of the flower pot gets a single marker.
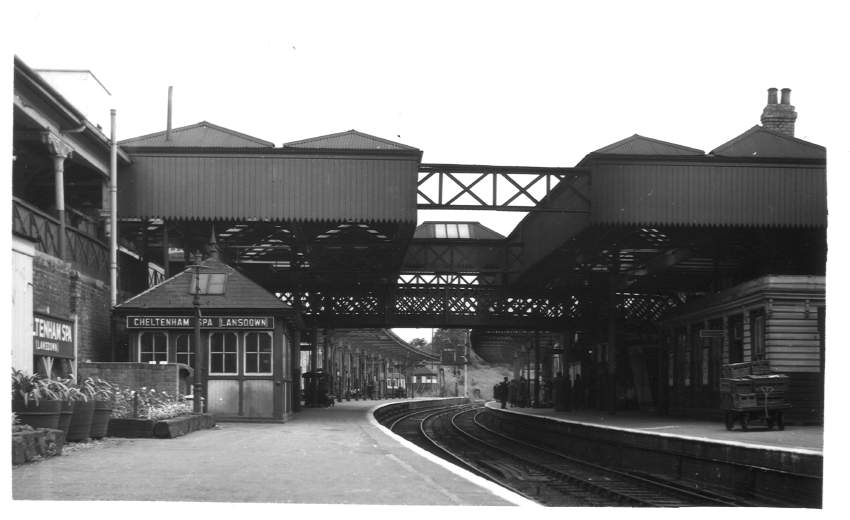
(100, 419)
(80, 427)
(65, 416)
(43, 414)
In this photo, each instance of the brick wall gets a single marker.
(60, 291)
(163, 378)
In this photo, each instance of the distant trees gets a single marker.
(419, 343)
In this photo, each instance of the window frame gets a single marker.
(210, 353)
(153, 334)
(758, 333)
(245, 353)
(190, 353)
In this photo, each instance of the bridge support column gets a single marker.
(295, 353)
(537, 365)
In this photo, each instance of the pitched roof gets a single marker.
(423, 371)
(473, 231)
(203, 134)
(350, 140)
(762, 142)
(640, 145)
(241, 293)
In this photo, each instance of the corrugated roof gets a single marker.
(475, 231)
(241, 293)
(709, 193)
(203, 134)
(640, 145)
(350, 140)
(383, 341)
(761, 142)
(294, 187)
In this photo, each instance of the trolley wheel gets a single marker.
(730, 420)
(745, 421)
(780, 422)
(769, 421)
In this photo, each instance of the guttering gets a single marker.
(68, 110)
(113, 212)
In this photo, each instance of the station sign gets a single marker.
(207, 322)
(52, 336)
(712, 333)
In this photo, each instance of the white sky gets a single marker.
(505, 83)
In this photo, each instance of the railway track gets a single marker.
(539, 474)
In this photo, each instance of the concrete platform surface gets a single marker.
(793, 438)
(336, 455)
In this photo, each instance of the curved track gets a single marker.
(537, 473)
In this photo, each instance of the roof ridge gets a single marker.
(638, 137)
(199, 124)
(761, 129)
(348, 132)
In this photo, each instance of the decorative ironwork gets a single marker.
(433, 305)
(89, 255)
(505, 188)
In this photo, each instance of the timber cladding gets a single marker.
(781, 322)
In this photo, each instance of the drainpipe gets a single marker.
(113, 212)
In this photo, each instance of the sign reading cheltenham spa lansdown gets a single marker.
(52, 336)
(207, 322)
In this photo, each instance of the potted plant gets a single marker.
(34, 401)
(83, 412)
(65, 390)
(103, 393)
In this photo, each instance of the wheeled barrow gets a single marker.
(745, 415)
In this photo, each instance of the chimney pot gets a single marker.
(771, 96)
(779, 117)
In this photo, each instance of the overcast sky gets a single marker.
(504, 83)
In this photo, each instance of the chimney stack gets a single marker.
(168, 117)
(779, 117)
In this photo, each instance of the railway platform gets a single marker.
(784, 467)
(337, 455)
(794, 439)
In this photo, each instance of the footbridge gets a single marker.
(329, 224)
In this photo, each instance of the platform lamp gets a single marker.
(201, 283)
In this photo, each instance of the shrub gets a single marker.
(33, 387)
(147, 403)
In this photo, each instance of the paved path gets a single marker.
(322, 456)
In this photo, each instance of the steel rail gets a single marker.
(697, 495)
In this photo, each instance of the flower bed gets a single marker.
(148, 413)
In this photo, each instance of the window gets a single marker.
(258, 353)
(736, 338)
(223, 357)
(184, 349)
(757, 335)
(671, 368)
(451, 230)
(153, 347)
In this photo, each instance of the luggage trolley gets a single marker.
(756, 396)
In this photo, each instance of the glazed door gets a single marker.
(241, 374)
